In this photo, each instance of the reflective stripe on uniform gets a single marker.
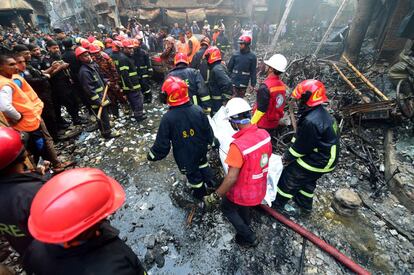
(133, 74)
(306, 194)
(277, 89)
(293, 139)
(143, 67)
(226, 96)
(294, 153)
(145, 76)
(203, 165)
(216, 97)
(152, 156)
(136, 87)
(259, 176)
(123, 68)
(326, 169)
(105, 103)
(197, 185)
(95, 97)
(100, 89)
(205, 98)
(283, 194)
(95, 106)
(195, 101)
(256, 146)
(147, 91)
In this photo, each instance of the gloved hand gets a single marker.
(211, 200)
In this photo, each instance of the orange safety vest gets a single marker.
(182, 47)
(196, 47)
(26, 102)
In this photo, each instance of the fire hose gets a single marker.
(316, 240)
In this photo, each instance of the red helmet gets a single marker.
(176, 91)
(80, 50)
(315, 87)
(11, 146)
(212, 54)
(205, 41)
(135, 42)
(127, 43)
(180, 58)
(94, 48)
(91, 38)
(116, 45)
(85, 43)
(245, 39)
(71, 202)
(108, 42)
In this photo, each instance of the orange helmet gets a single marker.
(175, 90)
(93, 48)
(116, 45)
(212, 54)
(11, 146)
(245, 39)
(127, 43)
(71, 202)
(205, 41)
(135, 42)
(180, 58)
(315, 88)
(79, 51)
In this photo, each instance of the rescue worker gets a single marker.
(219, 83)
(72, 235)
(197, 90)
(198, 62)
(130, 80)
(17, 189)
(169, 52)
(222, 42)
(245, 183)
(143, 64)
(193, 44)
(181, 45)
(108, 70)
(62, 85)
(108, 46)
(242, 67)
(315, 147)
(94, 85)
(271, 95)
(186, 127)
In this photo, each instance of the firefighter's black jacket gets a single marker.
(128, 72)
(219, 85)
(16, 194)
(200, 64)
(92, 83)
(197, 90)
(242, 68)
(186, 127)
(142, 62)
(104, 254)
(316, 144)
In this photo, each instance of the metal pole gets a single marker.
(289, 5)
(328, 31)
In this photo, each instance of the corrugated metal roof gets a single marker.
(7, 5)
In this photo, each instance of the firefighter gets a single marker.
(245, 183)
(93, 85)
(198, 62)
(186, 127)
(197, 90)
(242, 67)
(271, 95)
(17, 189)
(142, 62)
(108, 46)
(181, 45)
(219, 83)
(129, 76)
(108, 70)
(315, 147)
(72, 235)
(222, 42)
(193, 44)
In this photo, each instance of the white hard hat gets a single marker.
(236, 106)
(277, 62)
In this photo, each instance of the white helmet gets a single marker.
(277, 62)
(236, 106)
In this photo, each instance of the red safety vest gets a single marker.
(256, 148)
(277, 102)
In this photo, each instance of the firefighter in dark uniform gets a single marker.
(142, 62)
(62, 85)
(198, 62)
(130, 79)
(93, 85)
(314, 150)
(186, 127)
(197, 90)
(242, 67)
(17, 189)
(219, 83)
(72, 235)
(222, 42)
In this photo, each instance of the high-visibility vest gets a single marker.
(277, 102)
(182, 47)
(196, 47)
(256, 148)
(26, 102)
